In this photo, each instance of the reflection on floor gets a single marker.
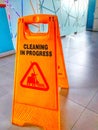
(79, 105)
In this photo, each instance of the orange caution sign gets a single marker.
(36, 98)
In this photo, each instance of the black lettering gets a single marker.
(27, 52)
(36, 46)
(30, 46)
(46, 54)
(25, 46)
(22, 52)
(33, 47)
(50, 53)
(33, 53)
(30, 52)
(40, 53)
(36, 53)
(46, 47)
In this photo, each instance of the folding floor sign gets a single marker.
(36, 98)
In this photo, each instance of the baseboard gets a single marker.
(95, 29)
(7, 53)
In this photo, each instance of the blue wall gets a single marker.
(90, 16)
(5, 37)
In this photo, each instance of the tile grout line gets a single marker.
(82, 105)
(91, 100)
(85, 108)
(78, 117)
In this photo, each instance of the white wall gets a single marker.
(95, 27)
(72, 14)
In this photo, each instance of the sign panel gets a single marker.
(36, 65)
(39, 69)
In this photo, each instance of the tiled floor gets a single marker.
(79, 104)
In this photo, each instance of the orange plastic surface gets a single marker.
(62, 74)
(36, 98)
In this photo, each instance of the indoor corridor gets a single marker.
(78, 104)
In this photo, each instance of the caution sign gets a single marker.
(34, 78)
(36, 98)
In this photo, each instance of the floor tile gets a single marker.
(5, 111)
(81, 96)
(81, 76)
(7, 59)
(78, 69)
(92, 50)
(6, 106)
(6, 82)
(4, 123)
(87, 121)
(70, 113)
(84, 59)
(94, 104)
(69, 52)
(8, 67)
(13, 127)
